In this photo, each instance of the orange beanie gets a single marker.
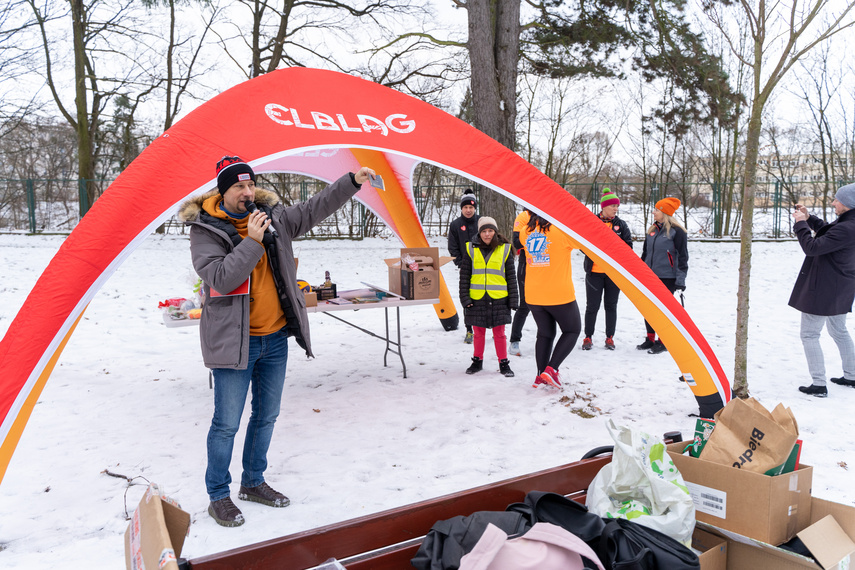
(668, 205)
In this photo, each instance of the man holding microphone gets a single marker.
(240, 243)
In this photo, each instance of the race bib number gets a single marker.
(537, 245)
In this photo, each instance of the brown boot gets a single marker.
(226, 513)
(265, 495)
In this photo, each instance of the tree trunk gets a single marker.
(85, 160)
(746, 235)
(494, 44)
(255, 42)
(170, 50)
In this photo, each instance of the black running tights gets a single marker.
(672, 286)
(568, 319)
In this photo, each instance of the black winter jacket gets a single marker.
(487, 312)
(826, 282)
(461, 231)
(667, 255)
(622, 230)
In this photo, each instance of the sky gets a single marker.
(130, 396)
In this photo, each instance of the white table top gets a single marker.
(322, 307)
(172, 323)
(326, 306)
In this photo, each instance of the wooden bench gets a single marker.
(389, 539)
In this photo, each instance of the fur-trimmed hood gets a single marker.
(190, 210)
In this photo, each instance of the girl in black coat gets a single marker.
(493, 309)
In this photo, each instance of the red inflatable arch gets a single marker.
(322, 124)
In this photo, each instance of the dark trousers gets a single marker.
(597, 286)
(521, 313)
(568, 319)
(672, 286)
(468, 327)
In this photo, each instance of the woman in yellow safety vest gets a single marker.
(488, 292)
(550, 296)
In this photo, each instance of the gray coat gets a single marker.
(667, 255)
(224, 327)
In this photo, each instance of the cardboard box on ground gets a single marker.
(421, 284)
(829, 537)
(156, 533)
(711, 550)
(755, 513)
(771, 509)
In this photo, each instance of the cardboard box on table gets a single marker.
(769, 509)
(156, 533)
(421, 284)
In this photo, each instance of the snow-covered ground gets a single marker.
(131, 396)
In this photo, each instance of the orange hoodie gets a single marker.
(265, 310)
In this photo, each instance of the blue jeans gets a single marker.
(265, 374)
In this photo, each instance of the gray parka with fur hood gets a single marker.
(224, 328)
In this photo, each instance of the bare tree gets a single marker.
(15, 62)
(101, 54)
(298, 33)
(779, 161)
(781, 35)
(180, 56)
(818, 87)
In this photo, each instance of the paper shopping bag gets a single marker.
(747, 436)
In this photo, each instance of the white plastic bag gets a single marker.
(641, 484)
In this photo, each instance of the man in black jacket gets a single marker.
(825, 287)
(460, 231)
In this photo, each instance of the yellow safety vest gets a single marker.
(488, 276)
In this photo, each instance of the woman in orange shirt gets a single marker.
(550, 296)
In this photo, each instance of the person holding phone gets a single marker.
(825, 287)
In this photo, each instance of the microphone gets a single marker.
(251, 207)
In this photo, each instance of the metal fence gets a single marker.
(56, 205)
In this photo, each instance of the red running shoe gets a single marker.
(551, 377)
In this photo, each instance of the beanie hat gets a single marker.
(668, 205)
(609, 199)
(846, 195)
(468, 199)
(231, 170)
(486, 222)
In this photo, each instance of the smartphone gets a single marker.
(376, 181)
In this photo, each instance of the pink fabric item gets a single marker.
(544, 547)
